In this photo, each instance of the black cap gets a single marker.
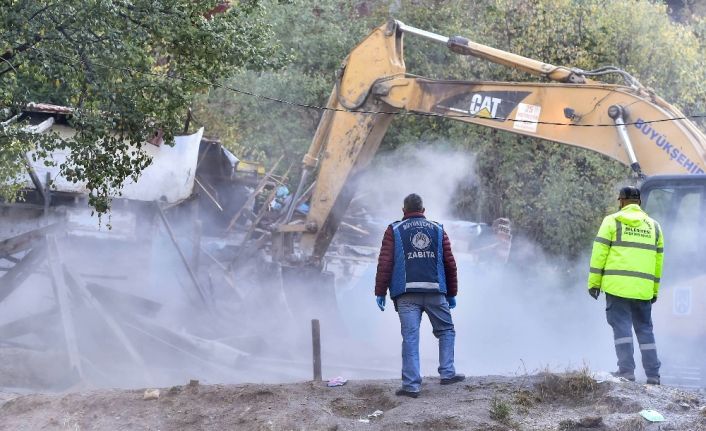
(629, 193)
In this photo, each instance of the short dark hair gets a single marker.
(413, 203)
(630, 193)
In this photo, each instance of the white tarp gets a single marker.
(170, 177)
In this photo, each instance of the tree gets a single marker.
(316, 42)
(127, 67)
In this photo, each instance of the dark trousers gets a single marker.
(623, 315)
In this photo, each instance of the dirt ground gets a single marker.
(563, 402)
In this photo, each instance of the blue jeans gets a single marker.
(410, 307)
(623, 314)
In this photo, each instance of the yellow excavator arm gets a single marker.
(625, 122)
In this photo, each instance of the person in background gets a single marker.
(626, 264)
(418, 267)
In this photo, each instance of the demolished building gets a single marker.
(81, 303)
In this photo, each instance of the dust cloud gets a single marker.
(530, 314)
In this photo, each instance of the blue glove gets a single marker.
(452, 301)
(381, 302)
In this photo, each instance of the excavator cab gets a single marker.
(678, 203)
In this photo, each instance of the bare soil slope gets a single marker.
(562, 402)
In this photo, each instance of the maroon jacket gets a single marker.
(386, 261)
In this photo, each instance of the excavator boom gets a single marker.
(624, 122)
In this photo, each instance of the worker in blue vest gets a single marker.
(418, 267)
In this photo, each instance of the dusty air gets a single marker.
(504, 245)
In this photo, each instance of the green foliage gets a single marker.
(553, 193)
(128, 67)
(316, 39)
(12, 153)
(499, 410)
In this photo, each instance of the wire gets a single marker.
(357, 111)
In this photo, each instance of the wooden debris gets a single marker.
(251, 199)
(61, 293)
(185, 261)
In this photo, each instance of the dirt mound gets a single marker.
(573, 387)
(554, 402)
(359, 404)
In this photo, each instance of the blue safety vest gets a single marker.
(418, 262)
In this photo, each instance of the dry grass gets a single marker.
(590, 422)
(686, 399)
(499, 410)
(576, 386)
(632, 424)
(526, 399)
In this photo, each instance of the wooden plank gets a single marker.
(291, 228)
(185, 261)
(196, 244)
(47, 194)
(123, 300)
(80, 286)
(251, 199)
(211, 352)
(316, 345)
(213, 199)
(61, 292)
(28, 325)
(262, 213)
(250, 231)
(35, 179)
(23, 241)
(20, 272)
(355, 228)
(11, 259)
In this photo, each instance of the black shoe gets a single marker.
(625, 375)
(653, 381)
(404, 393)
(455, 379)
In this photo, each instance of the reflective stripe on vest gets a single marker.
(418, 257)
(630, 263)
(626, 244)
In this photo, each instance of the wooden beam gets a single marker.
(28, 325)
(291, 228)
(261, 214)
(15, 276)
(11, 259)
(79, 286)
(61, 292)
(251, 199)
(35, 179)
(185, 261)
(355, 228)
(215, 354)
(213, 198)
(24, 241)
(124, 301)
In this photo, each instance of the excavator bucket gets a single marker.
(310, 294)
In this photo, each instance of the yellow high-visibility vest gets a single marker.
(627, 255)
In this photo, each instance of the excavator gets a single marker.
(626, 122)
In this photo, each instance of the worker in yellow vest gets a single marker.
(626, 264)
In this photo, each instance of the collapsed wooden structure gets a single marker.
(99, 317)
